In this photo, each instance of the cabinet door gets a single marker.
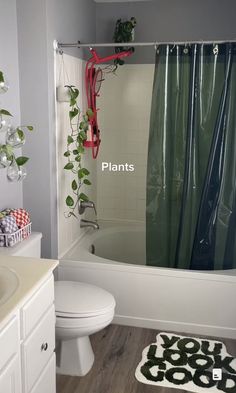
(47, 380)
(9, 342)
(10, 380)
(38, 349)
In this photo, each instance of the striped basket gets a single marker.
(11, 239)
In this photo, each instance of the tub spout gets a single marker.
(87, 223)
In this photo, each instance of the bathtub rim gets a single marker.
(89, 235)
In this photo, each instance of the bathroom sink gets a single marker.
(9, 283)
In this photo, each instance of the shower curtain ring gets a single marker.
(173, 47)
(156, 47)
(215, 49)
(185, 49)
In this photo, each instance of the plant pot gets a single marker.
(63, 94)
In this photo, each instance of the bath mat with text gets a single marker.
(187, 363)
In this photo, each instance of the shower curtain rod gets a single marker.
(155, 43)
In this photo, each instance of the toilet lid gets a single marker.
(80, 299)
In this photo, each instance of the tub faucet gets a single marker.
(87, 223)
(84, 204)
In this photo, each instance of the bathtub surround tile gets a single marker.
(69, 229)
(118, 350)
(124, 103)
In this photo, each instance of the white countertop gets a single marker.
(31, 272)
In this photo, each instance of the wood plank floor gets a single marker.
(118, 351)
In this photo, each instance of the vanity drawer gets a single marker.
(9, 342)
(34, 309)
(38, 348)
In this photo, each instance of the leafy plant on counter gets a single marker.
(7, 148)
(79, 124)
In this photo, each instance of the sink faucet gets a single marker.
(87, 223)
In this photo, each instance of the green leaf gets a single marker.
(75, 152)
(72, 102)
(21, 160)
(5, 112)
(83, 197)
(69, 140)
(75, 92)
(87, 182)
(69, 201)
(83, 135)
(69, 166)
(73, 113)
(85, 171)
(20, 134)
(67, 153)
(86, 118)
(81, 149)
(82, 124)
(1, 77)
(9, 150)
(89, 113)
(78, 158)
(74, 185)
(80, 173)
(30, 128)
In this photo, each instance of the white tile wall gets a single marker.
(125, 102)
(69, 228)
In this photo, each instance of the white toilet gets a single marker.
(81, 310)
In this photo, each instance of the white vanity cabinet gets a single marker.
(10, 367)
(27, 344)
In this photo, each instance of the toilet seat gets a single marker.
(77, 300)
(87, 322)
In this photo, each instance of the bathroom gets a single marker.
(104, 249)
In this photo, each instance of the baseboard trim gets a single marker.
(180, 327)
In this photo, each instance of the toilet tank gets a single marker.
(30, 247)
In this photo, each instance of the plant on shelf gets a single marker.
(79, 125)
(124, 32)
(15, 138)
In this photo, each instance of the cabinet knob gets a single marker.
(44, 346)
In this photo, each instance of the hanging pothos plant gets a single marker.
(79, 124)
(18, 135)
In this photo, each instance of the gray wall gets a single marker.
(10, 193)
(169, 20)
(39, 23)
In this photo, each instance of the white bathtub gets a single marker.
(161, 298)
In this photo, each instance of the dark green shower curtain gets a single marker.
(191, 173)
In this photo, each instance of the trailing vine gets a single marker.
(8, 149)
(79, 124)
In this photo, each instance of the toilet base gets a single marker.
(75, 357)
